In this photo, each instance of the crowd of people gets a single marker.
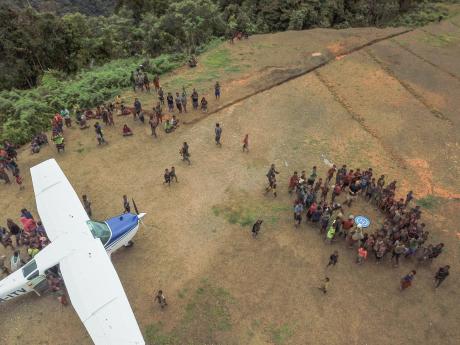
(30, 235)
(401, 235)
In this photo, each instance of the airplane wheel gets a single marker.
(129, 244)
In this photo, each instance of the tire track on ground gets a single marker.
(425, 60)
(297, 73)
(401, 162)
(384, 66)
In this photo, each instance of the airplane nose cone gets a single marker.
(141, 215)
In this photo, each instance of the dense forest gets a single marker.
(40, 49)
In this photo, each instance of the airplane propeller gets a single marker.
(141, 215)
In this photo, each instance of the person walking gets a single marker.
(256, 227)
(246, 143)
(161, 299)
(184, 152)
(172, 174)
(333, 259)
(99, 134)
(218, 133)
(441, 275)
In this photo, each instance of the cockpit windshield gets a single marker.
(29, 268)
(100, 230)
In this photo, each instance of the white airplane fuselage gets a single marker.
(114, 233)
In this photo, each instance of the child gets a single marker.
(246, 143)
(333, 258)
(126, 204)
(87, 205)
(298, 208)
(161, 299)
(127, 131)
(204, 105)
(167, 177)
(324, 286)
(362, 255)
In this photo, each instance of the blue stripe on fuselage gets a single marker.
(120, 226)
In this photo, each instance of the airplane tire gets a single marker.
(129, 244)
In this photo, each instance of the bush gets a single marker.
(23, 113)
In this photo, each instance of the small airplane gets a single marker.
(82, 248)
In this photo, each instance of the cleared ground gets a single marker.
(392, 105)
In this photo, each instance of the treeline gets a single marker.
(33, 42)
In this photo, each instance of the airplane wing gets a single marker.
(61, 212)
(98, 296)
(90, 278)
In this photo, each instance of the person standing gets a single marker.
(14, 229)
(441, 275)
(137, 108)
(153, 121)
(156, 83)
(161, 96)
(195, 99)
(183, 100)
(406, 281)
(178, 102)
(256, 227)
(333, 259)
(298, 209)
(170, 101)
(217, 90)
(126, 204)
(167, 178)
(218, 132)
(246, 143)
(87, 205)
(362, 255)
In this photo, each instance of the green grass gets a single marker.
(279, 335)
(218, 58)
(440, 40)
(246, 214)
(429, 202)
(206, 314)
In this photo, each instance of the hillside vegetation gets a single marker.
(39, 50)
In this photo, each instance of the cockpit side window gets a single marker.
(99, 230)
(29, 268)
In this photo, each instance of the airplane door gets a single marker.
(39, 284)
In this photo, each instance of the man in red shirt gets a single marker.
(347, 225)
